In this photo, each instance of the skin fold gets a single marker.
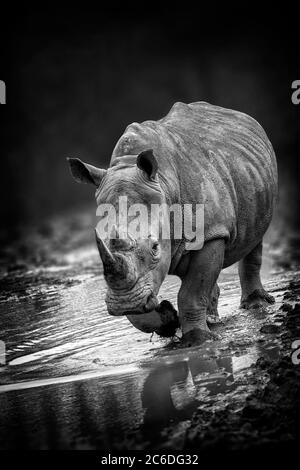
(197, 154)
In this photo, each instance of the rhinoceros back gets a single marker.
(218, 157)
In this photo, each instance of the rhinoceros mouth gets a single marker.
(121, 307)
(151, 304)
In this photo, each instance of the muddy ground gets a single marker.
(71, 377)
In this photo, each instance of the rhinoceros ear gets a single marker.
(85, 173)
(147, 162)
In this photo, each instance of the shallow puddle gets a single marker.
(75, 377)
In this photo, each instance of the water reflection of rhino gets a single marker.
(172, 392)
(100, 412)
(97, 413)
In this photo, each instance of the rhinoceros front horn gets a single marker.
(104, 252)
(115, 267)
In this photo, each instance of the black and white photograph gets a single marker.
(150, 232)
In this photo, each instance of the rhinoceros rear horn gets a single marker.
(85, 173)
(147, 162)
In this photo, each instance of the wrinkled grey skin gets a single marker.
(198, 153)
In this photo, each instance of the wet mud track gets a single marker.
(75, 378)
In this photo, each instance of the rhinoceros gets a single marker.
(198, 153)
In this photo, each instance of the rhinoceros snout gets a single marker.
(139, 299)
(118, 309)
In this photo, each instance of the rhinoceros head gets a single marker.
(134, 266)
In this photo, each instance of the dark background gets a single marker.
(76, 78)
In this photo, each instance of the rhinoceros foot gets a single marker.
(197, 337)
(258, 299)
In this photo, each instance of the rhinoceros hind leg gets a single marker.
(253, 293)
(212, 315)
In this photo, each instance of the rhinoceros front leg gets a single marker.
(253, 293)
(196, 290)
(212, 311)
